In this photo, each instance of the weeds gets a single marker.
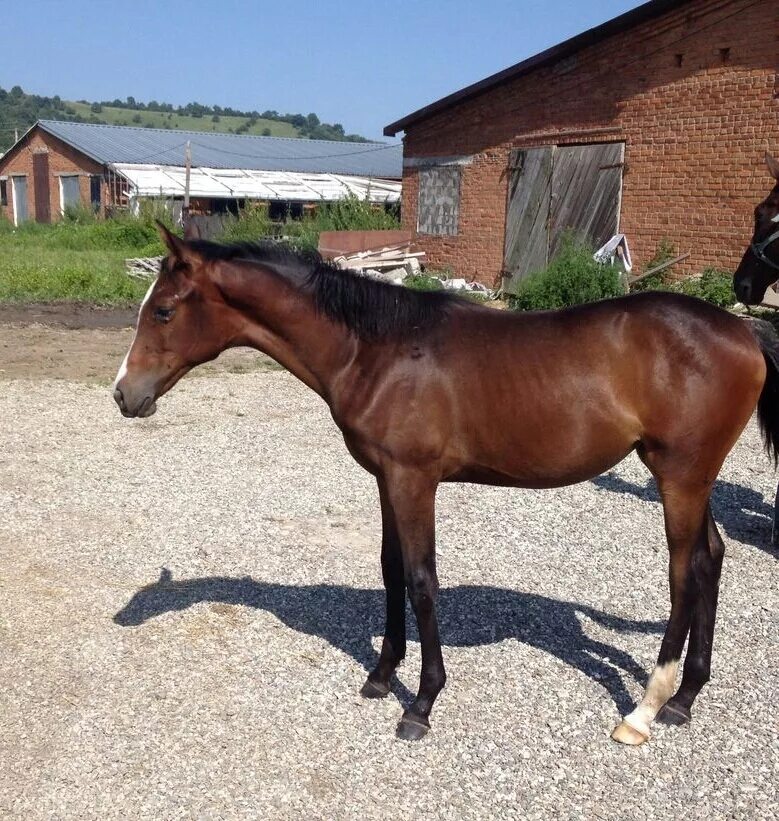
(348, 214)
(79, 258)
(573, 277)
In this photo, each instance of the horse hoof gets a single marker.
(674, 716)
(627, 734)
(374, 689)
(411, 729)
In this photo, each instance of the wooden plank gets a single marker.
(586, 190)
(527, 214)
(661, 267)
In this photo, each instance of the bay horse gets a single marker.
(429, 388)
(759, 266)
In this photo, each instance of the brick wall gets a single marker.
(62, 159)
(693, 96)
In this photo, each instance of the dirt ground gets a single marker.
(81, 343)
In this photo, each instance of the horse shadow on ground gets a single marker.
(742, 512)
(469, 616)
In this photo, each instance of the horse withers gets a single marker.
(429, 388)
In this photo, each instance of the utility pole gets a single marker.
(187, 169)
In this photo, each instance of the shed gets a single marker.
(56, 165)
(652, 124)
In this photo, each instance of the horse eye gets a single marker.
(163, 314)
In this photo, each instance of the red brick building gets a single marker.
(60, 165)
(653, 124)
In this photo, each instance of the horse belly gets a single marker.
(561, 449)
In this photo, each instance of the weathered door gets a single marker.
(530, 186)
(586, 190)
(70, 192)
(40, 183)
(19, 192)
(554, 189)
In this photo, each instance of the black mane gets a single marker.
(368, 307)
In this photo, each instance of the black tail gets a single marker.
(768, 404)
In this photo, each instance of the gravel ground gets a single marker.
(188, 605)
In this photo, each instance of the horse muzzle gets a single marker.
(131, 406)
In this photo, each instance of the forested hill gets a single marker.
(18, 111)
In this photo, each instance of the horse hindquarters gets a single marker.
(685, 465)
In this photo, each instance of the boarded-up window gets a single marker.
(70, 193)
(439, 200)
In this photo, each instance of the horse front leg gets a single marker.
(393, 646)
(411, 493)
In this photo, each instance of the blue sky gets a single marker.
(363, 64)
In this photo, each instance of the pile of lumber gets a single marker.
(143, 267)
(390, 261)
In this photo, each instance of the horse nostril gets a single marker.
(119, 397)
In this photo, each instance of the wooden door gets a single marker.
(586, 191)
(530, 184)
(19, 193)
(554, 189)
(40, 185)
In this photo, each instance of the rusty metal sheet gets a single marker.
(344, 243)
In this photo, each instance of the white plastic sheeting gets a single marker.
(236, 183)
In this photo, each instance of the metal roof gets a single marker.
(233, 183)
(640, 14)
(158, 146)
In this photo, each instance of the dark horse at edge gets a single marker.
(429, 388)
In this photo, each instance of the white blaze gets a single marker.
(123, 367)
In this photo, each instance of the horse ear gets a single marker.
(773, 165)
(179, 248)
(165, 576)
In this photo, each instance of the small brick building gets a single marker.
(653, 124)
(60, 165)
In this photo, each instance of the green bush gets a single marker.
(252, 224)
(572, 278)
(348, 214)
(713, 285)
(422, 282)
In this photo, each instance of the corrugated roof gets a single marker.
(640, 14)
(125, 144)
(168, 181)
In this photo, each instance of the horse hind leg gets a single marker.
(685, 505)
(706, 569)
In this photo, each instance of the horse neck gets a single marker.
(279, 318)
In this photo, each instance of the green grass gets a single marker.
(74, 261)
(183, 122)
(82, 258)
